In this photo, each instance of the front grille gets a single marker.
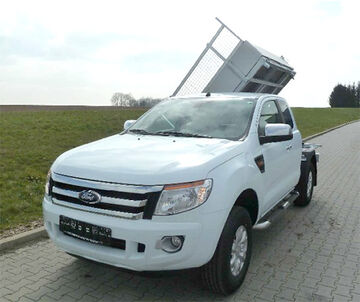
(126, 201)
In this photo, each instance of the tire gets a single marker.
(218, 274)
(305, 187)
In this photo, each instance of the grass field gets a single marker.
(31, 141)
(315, 120)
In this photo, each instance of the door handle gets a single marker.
(289, 147)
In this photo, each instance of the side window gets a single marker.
(286, 114)
(269, 115)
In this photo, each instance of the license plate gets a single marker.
(85, 231)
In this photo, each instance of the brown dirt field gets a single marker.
(6, 108)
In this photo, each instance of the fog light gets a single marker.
(171, 244)
(176, 241)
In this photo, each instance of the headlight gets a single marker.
(47, 184)
(183, 197)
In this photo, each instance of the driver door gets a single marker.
(274, 153)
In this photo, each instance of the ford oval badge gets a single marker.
(90, 196)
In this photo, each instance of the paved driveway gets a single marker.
(309, 254)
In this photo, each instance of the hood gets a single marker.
(145, 159)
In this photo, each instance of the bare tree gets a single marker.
(127, 100)
(148, 102)
(132, 103)
(122, 99)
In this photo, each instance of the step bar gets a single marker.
(284, 204)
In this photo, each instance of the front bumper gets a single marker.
(199, 244)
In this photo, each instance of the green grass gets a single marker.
(31, 141)
(315, 120)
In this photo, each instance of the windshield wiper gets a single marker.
(185, 134)
(140, 131)
(168, 133)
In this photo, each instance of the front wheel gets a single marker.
(227, 269)
(306, 187)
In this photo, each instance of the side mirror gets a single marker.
(276, 133)
(128, 124)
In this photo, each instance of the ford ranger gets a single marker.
(182, 187)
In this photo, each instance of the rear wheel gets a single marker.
(227, 269)
(306, 187)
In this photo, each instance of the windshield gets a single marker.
(227, 119)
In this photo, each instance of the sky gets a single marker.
(81, 52)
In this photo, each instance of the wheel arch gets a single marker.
(314, 163)
(248, 199)
(308, 158)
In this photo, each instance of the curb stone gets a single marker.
(35, 234)
(22, 238)
(328, 130)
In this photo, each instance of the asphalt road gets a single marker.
(308, 254)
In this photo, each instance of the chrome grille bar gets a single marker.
(119, 200)
(104, 199)
(105, 185)
(133, 216)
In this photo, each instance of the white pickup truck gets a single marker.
(182, 187)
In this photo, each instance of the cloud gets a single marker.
(39, 42)
(80, 52)
(332, 8)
